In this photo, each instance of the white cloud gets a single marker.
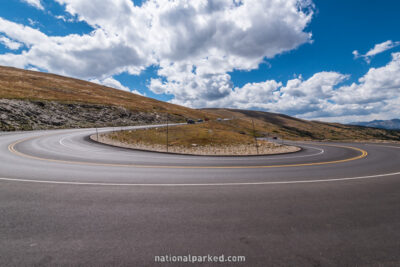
(61, 17)
(9, 43)
(64, 18)
(378, 88)
(138, 93)
(97, 55)
(378, 48)
(200, 42)
(32, 22)
(190, 87)
(35, 3)
(216, 36)
(113, 83)
(297, 97)
(23, 34)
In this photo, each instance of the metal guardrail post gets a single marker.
(255, 138)
(167, 133)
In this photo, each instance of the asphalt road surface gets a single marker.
(68, 201)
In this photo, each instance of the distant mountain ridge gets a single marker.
(382, 124)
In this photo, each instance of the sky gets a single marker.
(330, 60)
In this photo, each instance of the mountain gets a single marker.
(31, 100)
(383, 124)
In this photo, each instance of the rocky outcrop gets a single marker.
(33, 115)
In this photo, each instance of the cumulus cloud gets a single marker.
(207, 39)
(64, 18)
(356, 54)
(35, 3)
(9, 43)
(297, 97)
(32, 22)
(378, 89)
(113, 83)
(216, 36)
(189, 86)
(97, 55)
(23, 34)
(378, 48)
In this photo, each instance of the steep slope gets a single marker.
(283, 126)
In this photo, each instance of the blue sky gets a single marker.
(220, 53)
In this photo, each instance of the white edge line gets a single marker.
(205, 184)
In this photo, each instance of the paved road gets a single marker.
(65, 200)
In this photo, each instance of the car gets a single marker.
(219, 119)
(190, 122)
(199, 120)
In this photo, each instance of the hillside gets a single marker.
(283, 126)
(32, 85)
(35, 100)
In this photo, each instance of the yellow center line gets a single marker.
(12, 149)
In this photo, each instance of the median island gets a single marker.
(208, 138)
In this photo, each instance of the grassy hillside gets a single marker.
(283, 126)
(32, 85)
